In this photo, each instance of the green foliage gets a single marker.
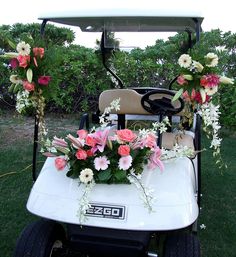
(78, 75)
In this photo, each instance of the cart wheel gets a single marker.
(182, 245)
(40, 239)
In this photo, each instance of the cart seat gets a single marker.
(130, 104)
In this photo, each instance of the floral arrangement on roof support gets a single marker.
(30, 79)
(199, 82)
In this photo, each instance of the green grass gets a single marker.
(219, 204)
(218, 200)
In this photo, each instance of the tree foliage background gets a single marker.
(79, 76)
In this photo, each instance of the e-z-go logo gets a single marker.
(106, 211)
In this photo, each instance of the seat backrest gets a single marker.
(130, 101)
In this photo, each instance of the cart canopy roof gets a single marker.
(128, 19)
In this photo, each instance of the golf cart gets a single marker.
(117, 224)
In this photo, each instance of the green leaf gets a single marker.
(16, 88)
(70, 173)
(104, 175)
(11, 88)
(178, 94)
(11, 44)
(120, 175)
(29, 75)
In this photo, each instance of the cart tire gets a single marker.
(182, 245)
(39, 239)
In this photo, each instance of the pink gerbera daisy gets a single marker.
(125, 162)
(101, 163)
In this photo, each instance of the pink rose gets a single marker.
(181, 80)
(124, 150)
(90, 141)
(44, 80)
(82, 133)
(151, 140)
(23, 60)
(126, 135)
(81, 154)
(38, 51)
(60, 163)
(14, 63)
(90, 153)
(28, 86)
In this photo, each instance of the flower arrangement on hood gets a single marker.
(199, 83)
(107, 155)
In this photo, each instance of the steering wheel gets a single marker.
(159, 102)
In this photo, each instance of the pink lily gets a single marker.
(77, 142)
(59, 142)
(101, 139)
(154, 160)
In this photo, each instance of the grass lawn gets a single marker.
(218, 200)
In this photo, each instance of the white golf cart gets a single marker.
(117, 224)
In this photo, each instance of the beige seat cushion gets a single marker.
(130, 101)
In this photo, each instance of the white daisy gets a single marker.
(185, 61)
(86, 176)
(23, 48)
(211, 90)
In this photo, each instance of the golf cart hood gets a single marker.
(57, 197)
(127, 19)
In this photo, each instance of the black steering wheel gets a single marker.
(159, 102)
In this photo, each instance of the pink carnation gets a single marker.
(14, 63)
(44, 80)
(210, 80)
(60, 163)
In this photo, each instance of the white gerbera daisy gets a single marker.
(23, 48)
(185, 61)
(86, 176)
(211, 90)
